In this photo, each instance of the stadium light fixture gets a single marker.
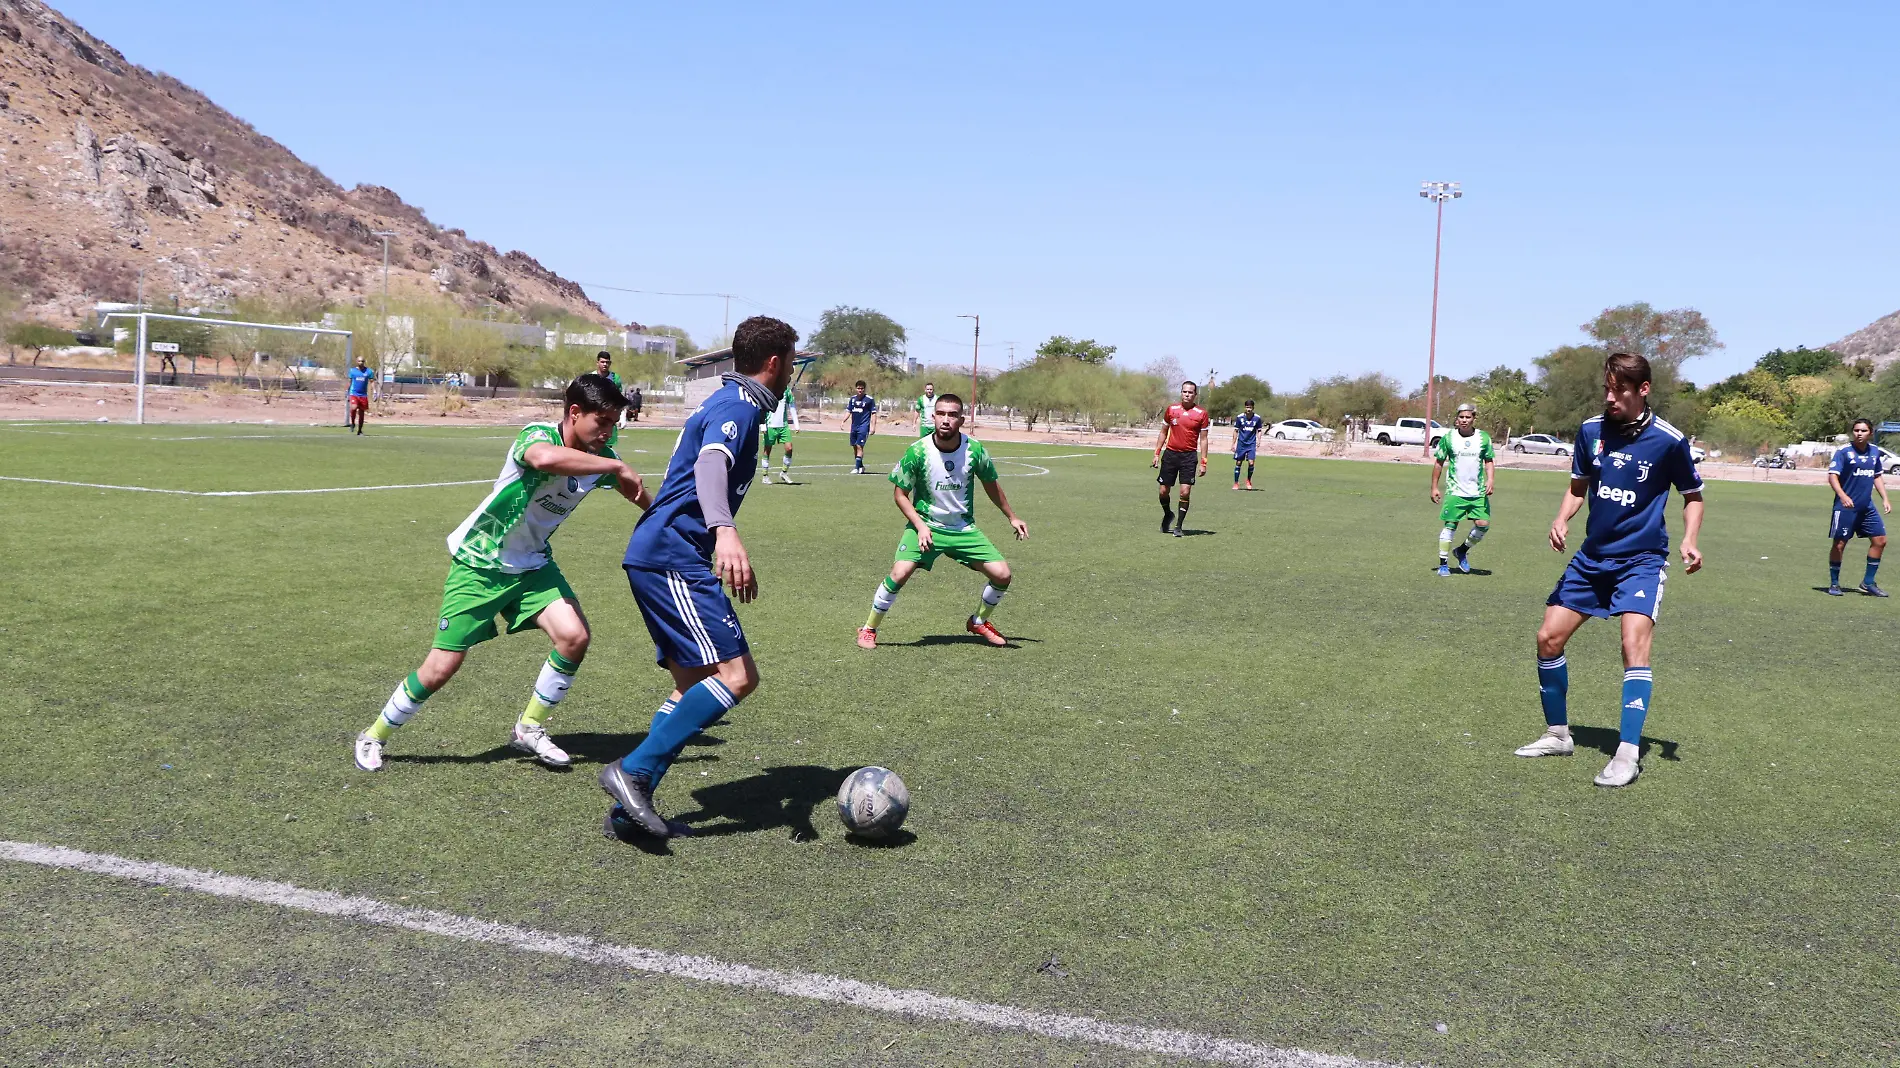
(976, 347)
(1437, 193)
(382, 332)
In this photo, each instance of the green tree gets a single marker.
(1746, 426)
(1666, 338)
(36, 336)
(1820, 416)
(1572, 379)
(1801, 360)
(1509, 406)
(1757, 385)
(1225, 400)
(1084, 349)
(1499, 377)
(685, 346)
(848, 331)
(1329, 399)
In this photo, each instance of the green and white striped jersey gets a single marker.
(942, 484)
(509, 532)
(786, 414)
(1464, 459)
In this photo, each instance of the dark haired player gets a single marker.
(1854, 475)
(604, 367)
(935, 487)
(680, 551)
(500, 565)
(862, 410)
(1246, 441)
(1183, 434)
(1624, 463)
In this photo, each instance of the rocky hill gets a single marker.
(1878, 341)
(107, 168)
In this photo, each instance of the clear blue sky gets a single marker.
(1235, 185)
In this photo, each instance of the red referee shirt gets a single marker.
(1185, 426)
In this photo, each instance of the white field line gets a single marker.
(244, 493)
(879, 472)
(815, 987)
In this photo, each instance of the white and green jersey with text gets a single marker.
(942, 484)
(926, 406)
(509, 532)
(1464, 459)
(786, 414)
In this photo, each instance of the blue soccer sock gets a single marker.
(1833, 574)
(1553, 689)
(1873, 565)
(665, 711)
(1636, 690)
(671, 731)
(1236, 470)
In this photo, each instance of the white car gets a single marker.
(1890, 458)
(1300, 430)
(1406, 430)
(1547, 444)
(1697, 453)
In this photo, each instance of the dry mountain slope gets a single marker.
(107, 168)
(1878, 341)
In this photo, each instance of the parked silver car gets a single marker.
(1548, 444)
(1300, 430)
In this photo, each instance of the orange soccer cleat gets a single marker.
(983, 629)
(867, 638)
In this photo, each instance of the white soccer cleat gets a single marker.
(1619, 772)
(534, 740)
(369, 753)
(1549, 744)
(765, 478)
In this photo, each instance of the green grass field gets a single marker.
(1256, 783)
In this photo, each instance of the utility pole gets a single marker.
(1437, 193)
(138, 413)
(976, 347)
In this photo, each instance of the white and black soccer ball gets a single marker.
(873, 802)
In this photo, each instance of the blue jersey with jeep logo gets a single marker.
(1629, 485)
(1857, 471)
(672, 535)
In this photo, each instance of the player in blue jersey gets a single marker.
(1246, 439)
(862, 411)
(680, 551)
(360, 377)
(1854, 476)
(1624, 463)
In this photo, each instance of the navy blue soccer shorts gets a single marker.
(860, 436)
(1605, 588)
(1856, 522)
(688, 615)
(1244, 454)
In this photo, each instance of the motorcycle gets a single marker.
(1778, 461)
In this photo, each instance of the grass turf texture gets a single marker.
(1255, 783)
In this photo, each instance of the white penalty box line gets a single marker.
(244, 493)
(919, 1004)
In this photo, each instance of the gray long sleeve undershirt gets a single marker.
(710, 485)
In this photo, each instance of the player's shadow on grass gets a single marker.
(957, 639)
(782, 797)
(585, 748)
(1187, 533)
(1455, 573)
(1604, 740)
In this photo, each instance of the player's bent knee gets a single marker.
(740, 675)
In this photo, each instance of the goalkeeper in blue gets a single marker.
(681, 552)
(1246, 442)
(1854, 476)
(1624, 463)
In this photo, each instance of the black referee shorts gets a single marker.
(1179, 464)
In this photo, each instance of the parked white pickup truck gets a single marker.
(1406, 430)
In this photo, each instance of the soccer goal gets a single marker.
(144, 331)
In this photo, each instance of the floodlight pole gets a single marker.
(138, 367)
(976, 347)
(1437, 193)
(382, 332)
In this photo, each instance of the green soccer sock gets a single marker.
(549, 688)
(405, 702)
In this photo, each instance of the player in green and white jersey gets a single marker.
(780, 424)
(604, 366)
(499, 565)
(926, 409)
(1463, 477)
(936, 490)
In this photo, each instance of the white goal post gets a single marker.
(138, 377)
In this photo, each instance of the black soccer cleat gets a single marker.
(1872, 590)
(635, 798)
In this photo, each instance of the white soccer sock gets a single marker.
(992, 596)
(400, 707)
(551, 685)
(1476, 536)
(1444, 544)
(883, 599)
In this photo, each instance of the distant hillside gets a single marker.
(1878, 341)
(107, 168)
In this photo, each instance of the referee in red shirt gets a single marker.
(1183, 434)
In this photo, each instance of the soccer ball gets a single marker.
(873, 802)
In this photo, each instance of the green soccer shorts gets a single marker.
(971, 548)
(472, 598)
(778, 435)
(1474, 508)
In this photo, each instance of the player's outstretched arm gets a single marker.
(995, 490)
(902, 496)
(634, 488)
(1566, 509)
(1691, 530)
(561, 460)
(730, 562)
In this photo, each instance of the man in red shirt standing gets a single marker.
(1183, 434)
